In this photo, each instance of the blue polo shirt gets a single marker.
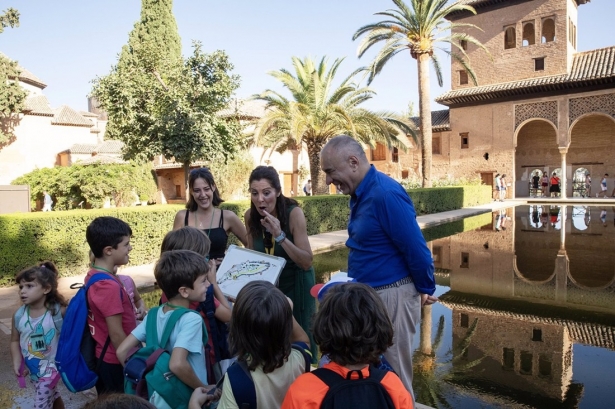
(386, 243)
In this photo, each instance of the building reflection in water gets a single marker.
(538, 279)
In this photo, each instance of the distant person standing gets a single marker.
(554, 189)
(535, 182)
(544, 184)
(307, 189)
(603, 186)
(496, 196)
(502, 187)
(47, 202)
(588, 185)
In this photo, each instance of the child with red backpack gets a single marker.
(353, 328)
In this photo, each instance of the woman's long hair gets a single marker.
(255, 228)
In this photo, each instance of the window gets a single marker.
(463, 77)
(379, 153)
(463, 44)
(436, 253)
(526, 363)
(178, 191)
(465, 260)
(544, 366)
(465, 140)
(529, 35)
(536, 335)
(405, 174)
(572, 33)
(548, 30)
(510, 38)
(508, 359)
(465, 321)
(539, 64)
(395, 156)
(436, 146)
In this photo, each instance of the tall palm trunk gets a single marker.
(319, 185)
(425, 113)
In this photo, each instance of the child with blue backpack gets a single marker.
(353, 329)
(182, 275)
(112, 314)
(36, 328)
(272, 349)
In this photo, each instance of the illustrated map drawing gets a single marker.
(240, 266)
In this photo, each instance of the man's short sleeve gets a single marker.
(105, 296)
(190, 333)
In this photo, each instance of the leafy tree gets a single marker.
(9, 18)
(318, 111)
(419, 28)
(12, 95)
(159, 104)
(91, 185)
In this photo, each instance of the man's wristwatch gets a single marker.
(280, 238)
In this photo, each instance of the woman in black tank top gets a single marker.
(201, 212)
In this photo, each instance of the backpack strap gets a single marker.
(208, 307)
(19, 313)
(305, 351)
(244, 390)
(93, 280)
(328, 377)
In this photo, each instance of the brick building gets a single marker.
(540, 106)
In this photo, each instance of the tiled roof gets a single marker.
(600, 333)
(27, 77)
(88, 114)
(245, 109)
(589, 68)
(440, 121)
(101, 159)
(38, 105)
(65, 115)
(109, 147)
(177, 165)
(81, 149)
(484, 3)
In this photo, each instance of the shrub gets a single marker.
(91, 185)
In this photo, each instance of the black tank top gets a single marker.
(217, 236)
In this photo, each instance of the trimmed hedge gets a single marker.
(28, 238)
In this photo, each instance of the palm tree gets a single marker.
(318, 111)
(419, 28)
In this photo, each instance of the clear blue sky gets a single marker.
(67, 43)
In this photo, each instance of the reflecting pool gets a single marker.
(527, 313)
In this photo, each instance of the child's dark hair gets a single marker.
(119, 401)
(352, 325)
(282, 202)
(205, 174)
(186, 238)
(261, 326)
(46, 274)
(179, 268)
(106, 231)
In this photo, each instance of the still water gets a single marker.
(527, 313)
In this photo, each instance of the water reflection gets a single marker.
(538, 280)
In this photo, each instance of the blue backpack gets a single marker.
(76, 358)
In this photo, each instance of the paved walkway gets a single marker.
(11, 396)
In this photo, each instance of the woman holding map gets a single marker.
(276, 225)
(201, 212)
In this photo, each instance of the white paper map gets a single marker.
(240, 266)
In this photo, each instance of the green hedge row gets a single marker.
(28, 238)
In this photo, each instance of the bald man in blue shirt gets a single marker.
(387, 248)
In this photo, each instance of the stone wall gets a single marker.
(504, 65)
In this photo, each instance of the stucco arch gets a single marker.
(589, 114)
(527, 121)
(524, 277)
